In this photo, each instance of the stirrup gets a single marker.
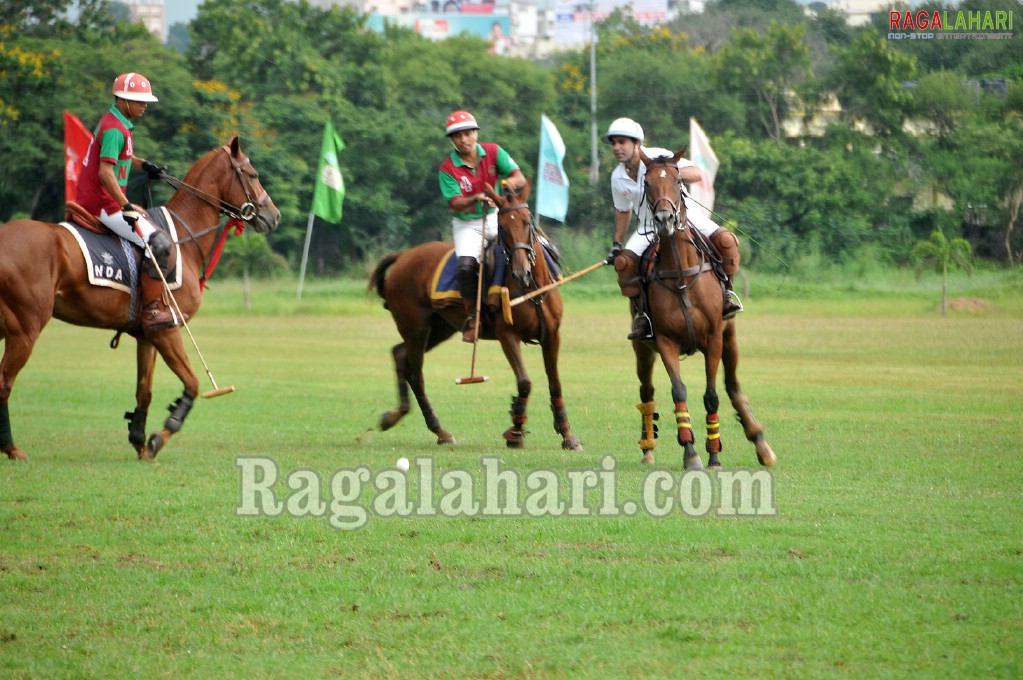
(642, 329)
(469, 329)
(733, 305)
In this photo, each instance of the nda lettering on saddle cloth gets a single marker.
(113, 262)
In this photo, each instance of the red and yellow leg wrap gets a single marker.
(685, 426)
(648, 434)
(713, 434)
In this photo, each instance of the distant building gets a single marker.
(150, 13)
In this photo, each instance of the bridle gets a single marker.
(674, 205)
(239, 216)
(530, 234)
(246, 175)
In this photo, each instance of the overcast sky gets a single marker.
(180, 11)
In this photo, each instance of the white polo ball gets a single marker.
(402, 464)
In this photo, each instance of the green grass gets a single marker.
(897, 549)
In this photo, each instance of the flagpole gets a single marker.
(305, 254)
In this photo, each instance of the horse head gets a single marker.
(663, 192)
(517, 232)
(225, 180)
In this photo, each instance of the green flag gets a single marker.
(330, 186)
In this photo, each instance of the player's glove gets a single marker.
(153, 170)
(616, 248)
(130, 215)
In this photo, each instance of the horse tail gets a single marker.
(379, 274)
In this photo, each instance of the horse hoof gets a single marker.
(572, 444)
(16, 454)
(692, 463)
(155, 442)
(514, 443)
(765, 454)
(446, 438)
(390, 419)
(648, 458)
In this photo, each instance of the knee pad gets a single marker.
(727, 245)
(160, 244)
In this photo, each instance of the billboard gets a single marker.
(572, 21)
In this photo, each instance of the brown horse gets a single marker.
(685, 299)
(406, 289)
(43, 274)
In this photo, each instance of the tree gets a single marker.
(765, 68)
(870, 78)
(941, 253)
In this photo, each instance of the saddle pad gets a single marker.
(444, 289)
(111, 260)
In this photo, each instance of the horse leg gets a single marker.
(711, 403)
(145, 359)
(19, 338)
(669, 357)
(753, 430)
(392, 417)
(644, 371)
(169, 344)
(569, 441)
(515, 436)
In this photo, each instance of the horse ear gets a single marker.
(235, 145)
(643, 157)
(494, 196)
(679, 154)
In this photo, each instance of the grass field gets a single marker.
(896, 548)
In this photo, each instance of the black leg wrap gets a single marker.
(561, 425)
(136, 426)
(518, 410)
(6, 438)
(178, 411)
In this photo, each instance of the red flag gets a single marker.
(76, 144)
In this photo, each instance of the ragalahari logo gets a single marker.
(950, 25)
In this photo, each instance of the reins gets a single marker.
(239, 215)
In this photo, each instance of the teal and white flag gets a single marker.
(706, 160)
(552, 185)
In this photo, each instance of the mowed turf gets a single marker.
(896, 548)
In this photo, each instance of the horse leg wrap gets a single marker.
(136, 426)
(648, 433)
(685, 426)
(561, 425)
(518, 411)
(6, 437)
(713, 434)
(178, 412)
(515, 434)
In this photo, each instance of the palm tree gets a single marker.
(942, 253)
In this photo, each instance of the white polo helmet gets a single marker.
(624, 127)
(133, 86)
(458, 121)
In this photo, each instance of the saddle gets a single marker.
(115, 262)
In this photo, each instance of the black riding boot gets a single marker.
(468, 274)
(732, 303)
(641, 327)
(155, 313)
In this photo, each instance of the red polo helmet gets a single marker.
(460, 120)
(133, 86)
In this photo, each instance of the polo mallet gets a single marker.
(216, 391)
(473, 378)
(507, 304)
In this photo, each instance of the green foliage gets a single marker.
(764, 67)
(271, 71)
